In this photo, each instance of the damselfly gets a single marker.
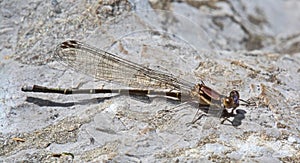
(107, 66)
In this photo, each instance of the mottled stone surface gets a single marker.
(250, 46)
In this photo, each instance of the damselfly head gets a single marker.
(235, 96)
(232, 101)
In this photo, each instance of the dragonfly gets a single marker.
(107, 66)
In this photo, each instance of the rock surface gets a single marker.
(250, 46)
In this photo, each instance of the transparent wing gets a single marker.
(109, 67)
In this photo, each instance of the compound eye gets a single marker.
(228, 102)
(235, 96)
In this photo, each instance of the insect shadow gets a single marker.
(225, 115)
(44, 102)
